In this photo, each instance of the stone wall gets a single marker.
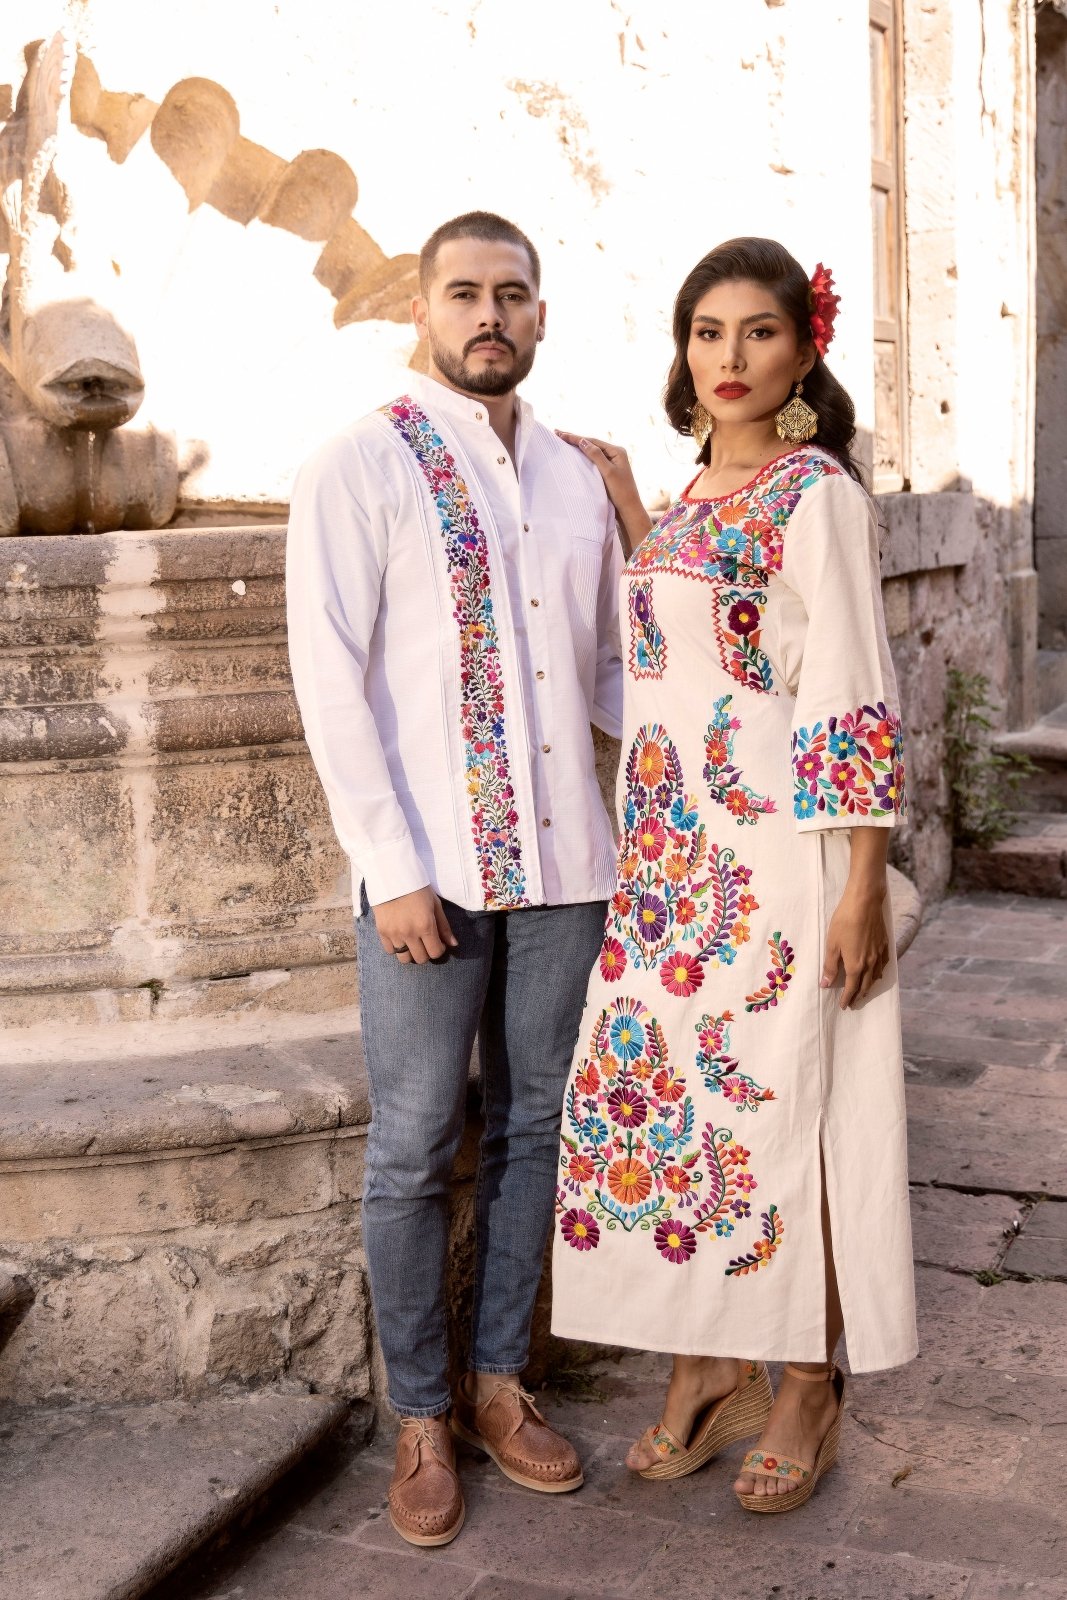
(260, 179)
(960, 587)
(1050, 490)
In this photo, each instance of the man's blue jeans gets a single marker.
(517, 982)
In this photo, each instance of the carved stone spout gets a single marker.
(69, 366)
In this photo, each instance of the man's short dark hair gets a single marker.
(484, 225)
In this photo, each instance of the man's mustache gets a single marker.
(490, 338)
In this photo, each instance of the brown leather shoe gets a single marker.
(509, 1428)
(425, 1502)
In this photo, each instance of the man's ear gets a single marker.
(419, 316)
(540, 319)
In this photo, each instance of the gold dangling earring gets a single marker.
(701, 423)
(797, 422)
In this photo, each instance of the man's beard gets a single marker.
(487, 381)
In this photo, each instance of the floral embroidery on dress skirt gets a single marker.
(648, 647)
(490, 794)
(679, 904)
(722, 777)
(779, 975)
(632, 1158)
(850, 766)
(721, 1073)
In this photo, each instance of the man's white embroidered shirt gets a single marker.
(386, 635)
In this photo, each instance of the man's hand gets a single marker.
(413, 927)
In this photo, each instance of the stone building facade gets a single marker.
(240, 191)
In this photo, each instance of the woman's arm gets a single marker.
(857, 937)
(613, 464)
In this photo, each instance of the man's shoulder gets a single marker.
(368, 440)
(572, 471)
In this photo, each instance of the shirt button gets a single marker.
(546, 822)
(526, 527)
(539, 675)
(477, 416)
(535, 602)
(501, 461)
(546, 748)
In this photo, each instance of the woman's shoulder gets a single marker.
(804, 468)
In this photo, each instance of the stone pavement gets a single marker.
(950, 1484)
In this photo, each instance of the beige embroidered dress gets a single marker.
(760, 727)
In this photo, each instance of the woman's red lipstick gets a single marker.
(732, 391)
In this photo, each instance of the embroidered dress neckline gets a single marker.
(720, 499)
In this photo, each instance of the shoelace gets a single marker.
(419, 1427)
(519, 1392)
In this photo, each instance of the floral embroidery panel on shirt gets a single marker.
(648, 647)
(680, 903)
(632, 1158)
(490, 793)
(851, 765)
(722, 777)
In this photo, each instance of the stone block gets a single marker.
(102, 1502)
(329, 1330)
(45, 821)
(256, 827)
(1032, 1256)
(537, 1532)
(247, 1344)
(962, 1529)
(960, 1231)
(293, 1563)
(984, 1144)
(108, 1334)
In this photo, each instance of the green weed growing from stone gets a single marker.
(982, 782)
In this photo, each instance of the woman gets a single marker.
(733, 1182)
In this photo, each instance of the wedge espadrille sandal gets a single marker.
(738, 1415)
(766, 1464)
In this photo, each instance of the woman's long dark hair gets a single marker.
(760, 261)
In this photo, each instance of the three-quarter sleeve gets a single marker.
(847, 747)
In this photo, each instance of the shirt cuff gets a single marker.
(392, 870)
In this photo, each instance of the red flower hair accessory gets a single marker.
(823, 304)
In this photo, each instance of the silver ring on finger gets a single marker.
(401, 950)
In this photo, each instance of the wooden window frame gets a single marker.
(887, 177)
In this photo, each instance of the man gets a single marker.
(452, 578)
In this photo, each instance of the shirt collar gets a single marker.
(459, 408)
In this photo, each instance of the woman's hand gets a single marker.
(613, 464)
(857, 937)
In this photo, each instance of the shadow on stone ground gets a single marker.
(950, 1480)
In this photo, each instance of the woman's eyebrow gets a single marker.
(760, 316)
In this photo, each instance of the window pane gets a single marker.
(881, 92)
(885, 254)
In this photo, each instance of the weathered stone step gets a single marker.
(101, 1502)
(1045, 789)
(1032, 861)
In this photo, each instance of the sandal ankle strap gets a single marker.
(811, 1377)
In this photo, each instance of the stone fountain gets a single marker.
(182, 1100)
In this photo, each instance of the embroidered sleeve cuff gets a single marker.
(848, 771)
(393, 869)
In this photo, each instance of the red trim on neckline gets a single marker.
(717, 499)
